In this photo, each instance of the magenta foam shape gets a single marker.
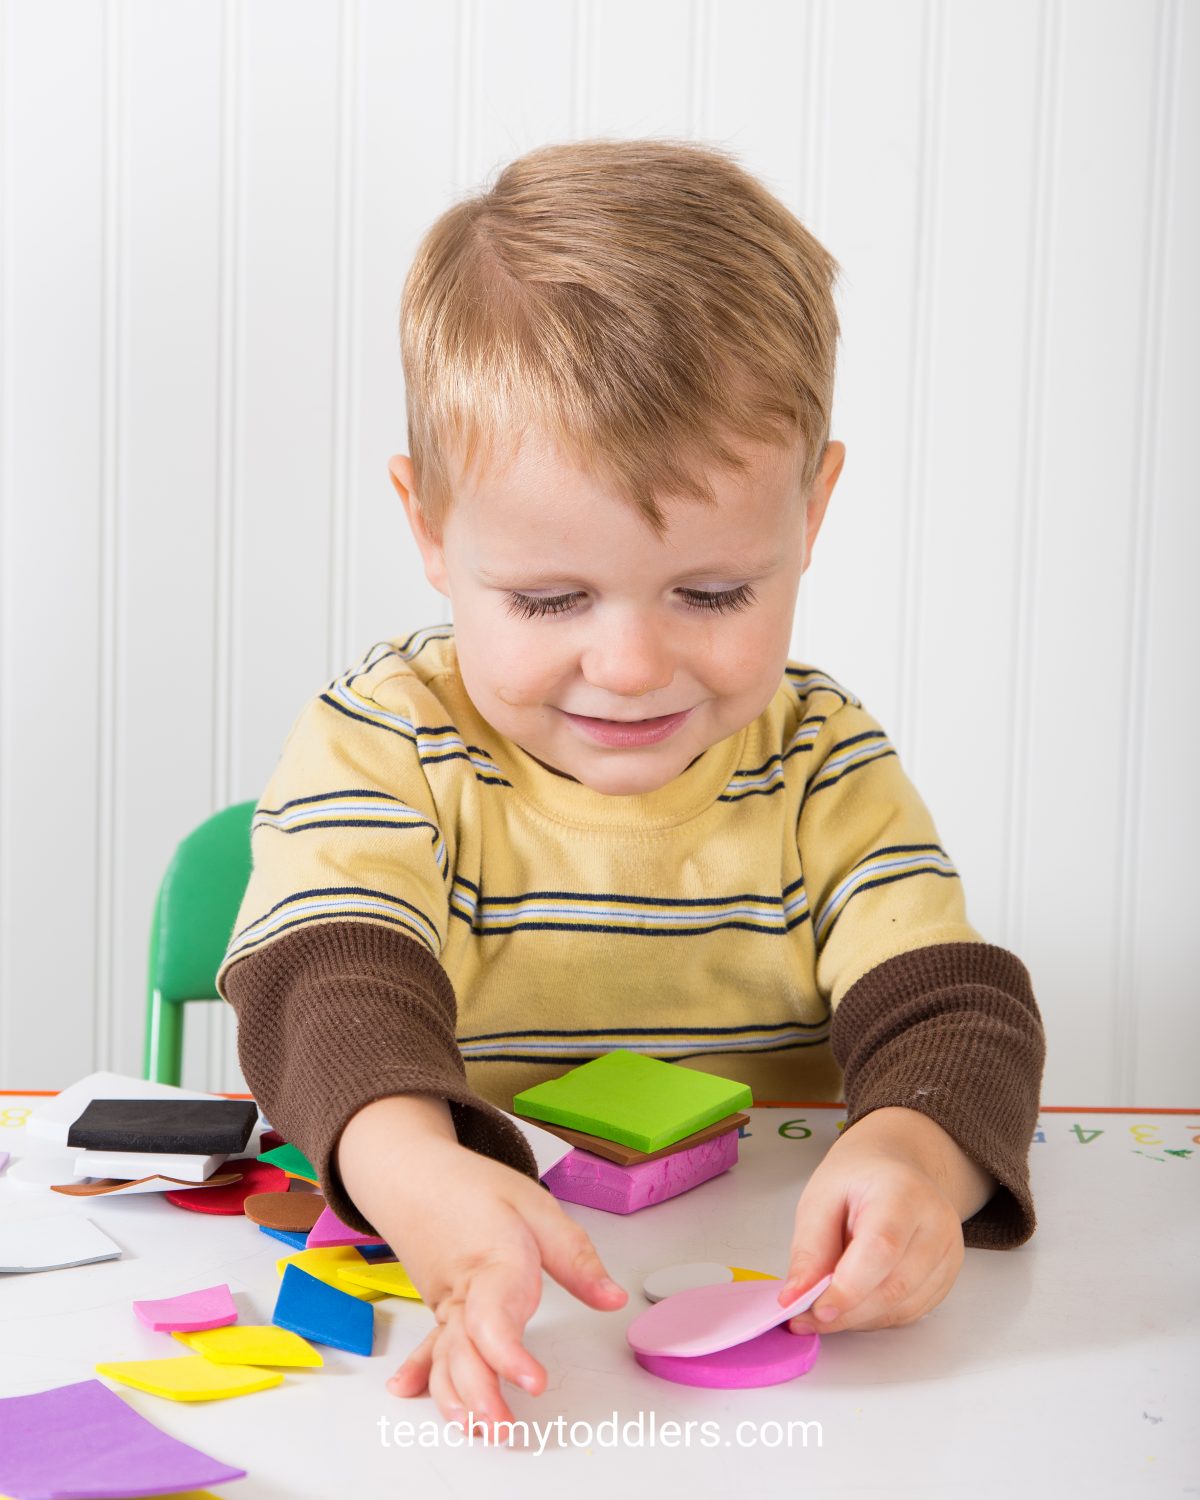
(582, 1177)
(703, 1319)
(769, 1359)
(191, 1312)
(329, 1231)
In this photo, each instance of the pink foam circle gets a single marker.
(769, 1359)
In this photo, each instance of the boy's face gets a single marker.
(576, 627)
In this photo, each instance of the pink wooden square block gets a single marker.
(584, 1178)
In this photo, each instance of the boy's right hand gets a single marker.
(474, 1235)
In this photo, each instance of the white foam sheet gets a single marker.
(132, 1164)
(53, 1242)
(548, 1149)
(42, 1169)
(46, 1170)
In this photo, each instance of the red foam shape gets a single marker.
(270, 1139)
(257, 1177)
(769, 1359)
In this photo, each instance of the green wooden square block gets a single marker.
(640, 1101)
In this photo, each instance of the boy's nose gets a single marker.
(629, 663)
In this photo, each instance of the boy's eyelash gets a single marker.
(527, 605)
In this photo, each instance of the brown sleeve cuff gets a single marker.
(953, 1030)
(334, 1015)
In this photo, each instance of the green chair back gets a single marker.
(197, 906)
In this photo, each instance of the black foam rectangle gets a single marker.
(195, 1126)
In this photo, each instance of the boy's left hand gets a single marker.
(882, 1213)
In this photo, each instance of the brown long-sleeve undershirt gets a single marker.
(335, 1015)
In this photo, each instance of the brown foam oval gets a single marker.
(294, 1211)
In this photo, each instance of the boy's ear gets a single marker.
(818, 496)
(400, 470)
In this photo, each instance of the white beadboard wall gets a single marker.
(208, 212)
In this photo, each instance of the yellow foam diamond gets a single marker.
(325, 1266)
(192, 1378)
(388, 1277)
(252, 1344)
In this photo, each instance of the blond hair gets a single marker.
(639, 302)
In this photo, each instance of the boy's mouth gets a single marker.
(625, 732)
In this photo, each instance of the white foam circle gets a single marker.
(671, 1279)
(43, 1170)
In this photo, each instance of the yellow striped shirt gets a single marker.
(717, 921)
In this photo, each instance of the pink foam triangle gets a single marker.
(329, 1231)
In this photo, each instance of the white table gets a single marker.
(1065, 1368)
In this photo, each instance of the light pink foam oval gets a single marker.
(703, 1319)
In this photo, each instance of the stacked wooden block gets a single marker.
(644, 1130)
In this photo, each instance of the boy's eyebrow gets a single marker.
(740, 568)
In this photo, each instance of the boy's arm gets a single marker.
(951, 1034)
(334, 965)
(343, 1026)
(927, 1018)
(336, 1015)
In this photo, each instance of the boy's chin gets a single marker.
(616, 779)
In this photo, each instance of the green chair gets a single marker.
(197, 906)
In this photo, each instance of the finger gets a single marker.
(474, 1380)
(902, 1287)
(932, 1290)
(441, 1385)
(412, 1378)
(570, 1257)
(879, 1244)
(818, 1240)
(500, 1301)
(935, 1287)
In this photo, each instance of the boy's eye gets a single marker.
(737, 598)
(528, 605)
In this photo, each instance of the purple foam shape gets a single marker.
(769, 1359)
(3, 1160)
(329, 1231)
(190, 1313)
(585, 1178)
(82, 1442)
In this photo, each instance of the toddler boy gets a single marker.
(605, 808)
